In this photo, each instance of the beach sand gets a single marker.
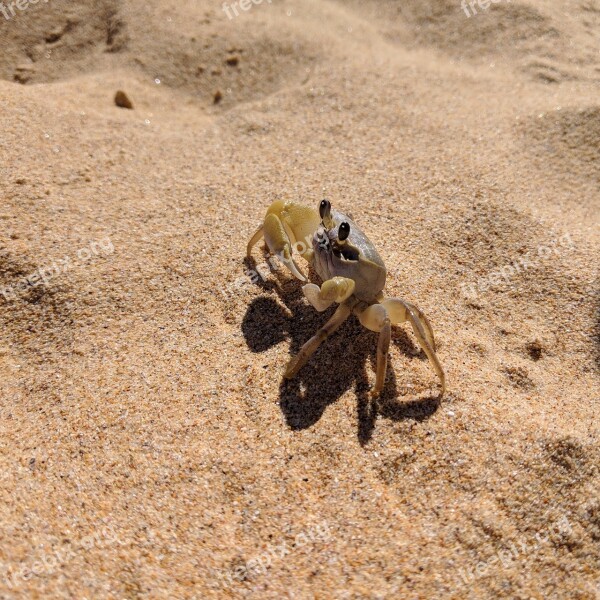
(150, 448)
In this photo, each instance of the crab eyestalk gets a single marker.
(325, 214)
(287, 226)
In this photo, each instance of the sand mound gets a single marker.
(60, 41)
(533, 38)
(502, 26)
(570, 140)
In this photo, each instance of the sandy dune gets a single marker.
(149, 446)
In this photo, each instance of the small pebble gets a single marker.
(122, 100)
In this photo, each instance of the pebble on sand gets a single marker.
(122, 100)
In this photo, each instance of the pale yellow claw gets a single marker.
(287, 227)
(312, 292)
(337, 289)
(279, 243)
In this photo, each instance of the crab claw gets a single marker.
(336, 289)
(287, 225)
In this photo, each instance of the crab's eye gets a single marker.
(324, 208)
(343, 231)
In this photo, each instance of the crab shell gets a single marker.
(355, 258)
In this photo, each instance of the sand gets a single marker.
(149, 446)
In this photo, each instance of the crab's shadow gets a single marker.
(339, 364)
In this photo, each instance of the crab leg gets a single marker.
(297, 362)
(254, 240)
(376, 318)
(400, 311)
(383, 347)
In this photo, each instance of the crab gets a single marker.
(352, 274)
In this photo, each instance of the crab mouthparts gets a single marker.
(323, 239)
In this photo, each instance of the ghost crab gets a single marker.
(353, 276)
